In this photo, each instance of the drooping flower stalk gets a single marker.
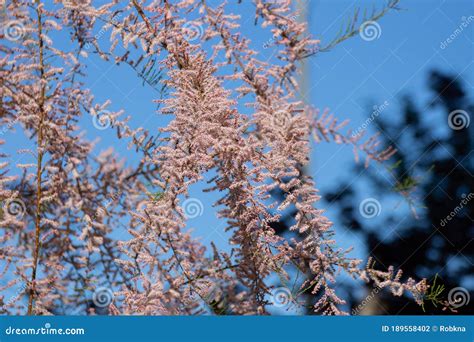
(39, 162)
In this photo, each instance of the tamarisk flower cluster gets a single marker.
(62, 183)
(66, 246)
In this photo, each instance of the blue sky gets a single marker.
(358, 74)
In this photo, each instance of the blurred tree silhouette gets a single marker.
(433, 170)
